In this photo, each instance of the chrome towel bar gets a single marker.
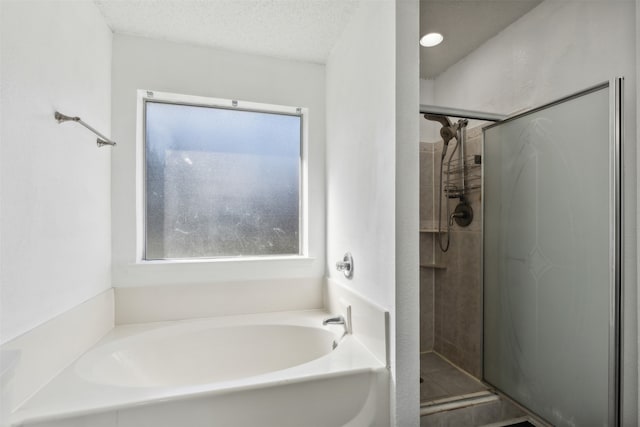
(102, 140)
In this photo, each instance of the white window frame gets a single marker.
(147, 95)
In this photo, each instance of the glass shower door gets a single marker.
(551, 258)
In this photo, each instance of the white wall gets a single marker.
(407, 298)
(558, 48)
(429, 131)
(140, 63)
(361, 152)
(363, 130)
(55, 182)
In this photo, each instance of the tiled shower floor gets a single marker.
(444, 380)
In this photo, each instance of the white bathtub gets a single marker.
(201, 353)
(276, 369)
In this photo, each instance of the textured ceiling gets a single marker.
(298, 29)
(465, 25)
(306, 29)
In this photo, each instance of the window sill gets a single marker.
(229, 260)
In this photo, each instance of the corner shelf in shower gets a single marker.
(429, 226)
(434, 265)
(429, 230)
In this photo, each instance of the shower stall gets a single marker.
(526, 288)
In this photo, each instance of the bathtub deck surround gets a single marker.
(34, 358)
(368, 322)
(143, 304)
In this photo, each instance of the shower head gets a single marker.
(443, 120)
(447, 131)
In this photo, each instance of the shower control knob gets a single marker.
(346, 265)
(463, 215)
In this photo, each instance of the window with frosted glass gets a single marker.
(221, 182)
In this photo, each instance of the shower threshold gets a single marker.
(451, 396)
(457, 402)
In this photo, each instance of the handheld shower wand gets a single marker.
(448, 131)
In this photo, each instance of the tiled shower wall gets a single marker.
(428, 183)
(451, 284)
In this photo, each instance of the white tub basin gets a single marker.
(196, 354)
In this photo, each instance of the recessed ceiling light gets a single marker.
(431, 39)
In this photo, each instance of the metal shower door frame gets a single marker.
(616, 232)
